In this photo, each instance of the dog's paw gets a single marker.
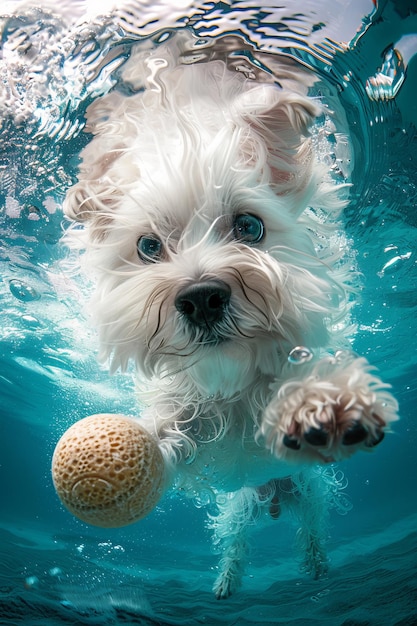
(226, 584)
(315, 563)
(340, 407)
(230, 574)
(223, 588)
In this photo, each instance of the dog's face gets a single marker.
(197, 233)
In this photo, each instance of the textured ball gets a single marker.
(108, 470)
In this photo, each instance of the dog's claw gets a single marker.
(355, 434)
(291, 442)
(316, 436)
(374, 442)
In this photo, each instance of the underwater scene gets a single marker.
(56, 59)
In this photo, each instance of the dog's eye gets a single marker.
(149, 248)
(248, 228)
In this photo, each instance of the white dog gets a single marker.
(211, 230)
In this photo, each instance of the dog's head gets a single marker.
(194, 198)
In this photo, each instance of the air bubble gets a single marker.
(30, 321)
(31, 581)
(300, 355)
(55, 571)
(22, 291)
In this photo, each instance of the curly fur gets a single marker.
(191, 149)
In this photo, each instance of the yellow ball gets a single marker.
(108, 470)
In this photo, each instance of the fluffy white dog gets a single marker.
(211, 230)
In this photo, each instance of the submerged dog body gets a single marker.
(211, 230)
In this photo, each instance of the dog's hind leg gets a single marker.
(308, 496)
(316, 491)
(237, 513)
(311, 503)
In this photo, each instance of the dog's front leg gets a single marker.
(336, 406)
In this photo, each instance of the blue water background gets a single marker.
(55, 569)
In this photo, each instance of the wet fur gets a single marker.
(195, 146)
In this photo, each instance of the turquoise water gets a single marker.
(57, 570)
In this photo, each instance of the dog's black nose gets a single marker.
(203, 303)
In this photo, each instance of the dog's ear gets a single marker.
(94, 193)
(279, 114)
(282, 120)
(105, 164)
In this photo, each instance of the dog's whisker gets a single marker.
(245, 287)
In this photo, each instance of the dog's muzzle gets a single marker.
(204, 303)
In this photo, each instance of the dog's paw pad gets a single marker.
(356, 433)
(291, 442)
(375, 440)
(331, 440)
(317, 436)
(338, 409)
